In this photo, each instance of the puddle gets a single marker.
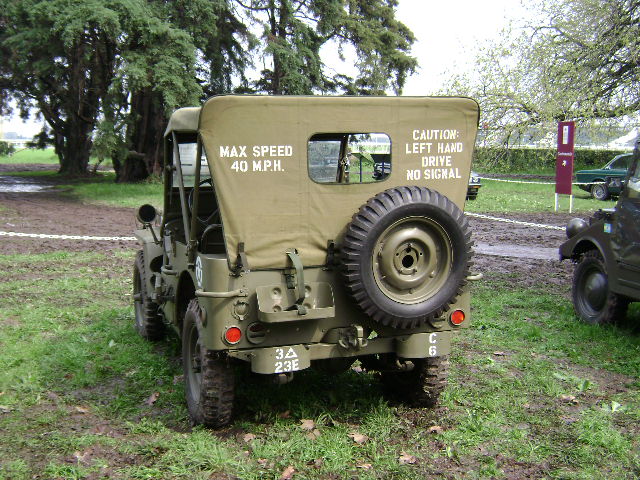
(517, 251)
(13, 184)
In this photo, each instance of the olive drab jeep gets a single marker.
(306, 232)
(606, 250)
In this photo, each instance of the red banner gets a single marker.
(564, 158)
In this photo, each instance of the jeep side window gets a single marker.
(187, 152)
(349, 157)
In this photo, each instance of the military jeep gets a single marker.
(606, 250)
(306, 232)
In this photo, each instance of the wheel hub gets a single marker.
(595, 290)
(412, 259)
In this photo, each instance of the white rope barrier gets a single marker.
(65, 237)
(532, 182)
(517, 222)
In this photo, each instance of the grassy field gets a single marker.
(31, 156)
(102, 190)
(531, 391)
(505, 197)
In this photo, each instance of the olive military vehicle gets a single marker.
(282, 244)
(607, 254)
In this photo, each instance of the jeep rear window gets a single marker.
(349, 157)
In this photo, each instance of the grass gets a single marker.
(102, 190)
(506, 197)
(31, 156)
(531, 390)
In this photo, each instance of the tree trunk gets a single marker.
(76, 149)
(145, 137)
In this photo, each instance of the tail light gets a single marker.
(232, 335)
(457, 317)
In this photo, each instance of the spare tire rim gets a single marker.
(412, 259)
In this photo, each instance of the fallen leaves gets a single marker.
(288, 472)
(313, 434)
(153, 398)
(358, 438)
(310, 427)
(248, 437)
(569, 399)
(406, 459)
(435, 429)
(307, 425)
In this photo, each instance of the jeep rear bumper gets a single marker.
(291, 358)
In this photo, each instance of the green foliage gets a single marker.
(83, 54)
(109, 73)
(572, 59)
(6, 149)
(294, 32)
(535, 160)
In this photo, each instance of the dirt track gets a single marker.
(52, 212)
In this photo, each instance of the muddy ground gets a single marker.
(51, 212)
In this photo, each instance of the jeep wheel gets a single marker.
(593, 301)
(208, 378)
(406, 256)
(600, 191)
(420, 387)
(148, 321)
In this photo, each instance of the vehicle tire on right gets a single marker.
(209, 378)
(592, 299)
(420, 387)
(600, 191)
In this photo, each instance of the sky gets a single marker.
(447, 33)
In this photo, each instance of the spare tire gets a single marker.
(406, 256)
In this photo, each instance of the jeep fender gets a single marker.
(152, 252)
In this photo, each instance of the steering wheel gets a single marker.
(203, 220)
